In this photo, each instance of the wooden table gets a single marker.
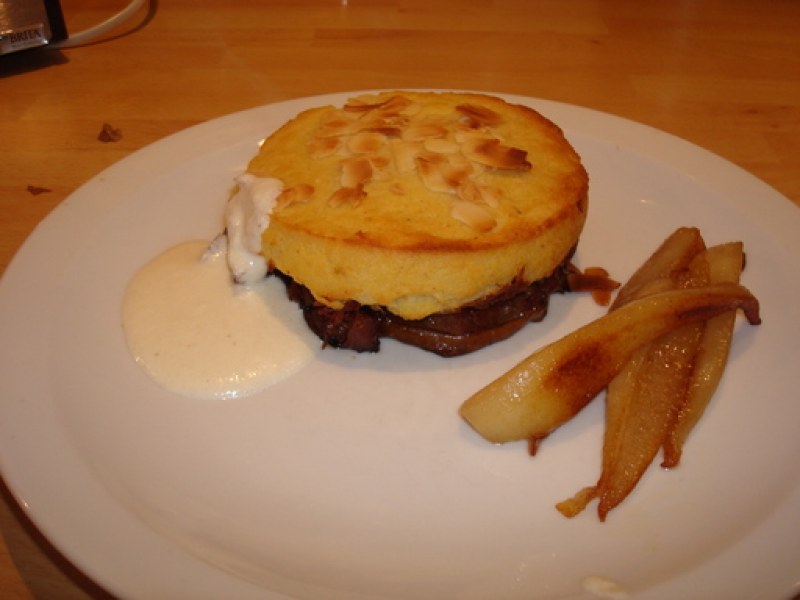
(724, 74)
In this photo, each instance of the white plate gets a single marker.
(356, 478)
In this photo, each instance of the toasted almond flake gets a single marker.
(431, 169)
(457, 170)
(417, 132)
(405, 154)
(441, 175)
(440, 145)
(297, 194)
(355, 171)
(351, 196)
(411, 109)
(336, 124)
(462, 133)
(381, 163)
(481, 114)
(473, 124)
(392, 105)
(471, 191)
(395, 105)
(492, 153)
(361, 104)
(491, 196)
(322, 147)
(377, 120)
(389, 131)
(473, 215)
(366, 142)
(460, 161)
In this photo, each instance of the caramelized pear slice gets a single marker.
(556, 382)
(642, 403)
(672, 256)
(725, 263)
(655, 400)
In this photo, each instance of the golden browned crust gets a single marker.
(420, 202)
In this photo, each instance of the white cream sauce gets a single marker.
(199, 334)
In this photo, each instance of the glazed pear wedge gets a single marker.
(725, 263)
(674, 255)
(642, 402)
(663, 390)
(552, 385)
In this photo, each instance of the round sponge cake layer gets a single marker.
(420, 202)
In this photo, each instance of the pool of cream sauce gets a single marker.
(199, 334)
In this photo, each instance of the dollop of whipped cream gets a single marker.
(247, 215)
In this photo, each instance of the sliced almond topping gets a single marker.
(462, 134)
(491, 196)
(351, 196)
(381, 163)
(395, 105)
(379, 137)
(296, 194)
(380, 160)
(390, 131)
(474, 215)
(469, 124)
(460, 161)
(405, 154)
(366, 142)
(322, 147)
(440, 145)
(481, 114)
(363, 103)
(492, 153)
(416, 132)
(458, 170)
(392, 105)
(471, 191)
(355, 171)
(337, 123)
(411, 109)
(439, 174)
(429, 167)
(377, 120)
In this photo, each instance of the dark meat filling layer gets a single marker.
(465, 330)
